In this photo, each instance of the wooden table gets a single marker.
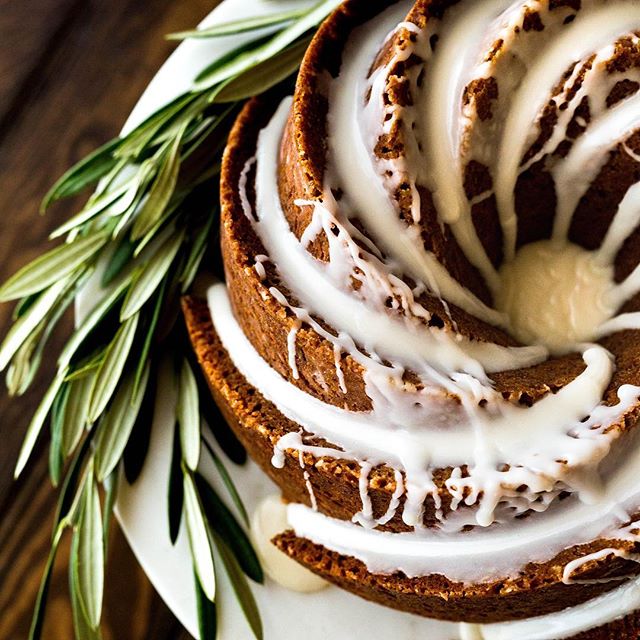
(70, 71)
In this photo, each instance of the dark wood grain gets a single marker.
(70, 71)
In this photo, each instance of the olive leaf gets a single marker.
(224, 523)
(176, 487)
(28, 322)
(253, 57)
(149, 278)
(89, 569)
(83, 174)
(188, 414)
(117, 424)
(239, 26)
(207, 618)
(37, 422)
(264, 75)
(94, 318)
(76, 413)
(199, 542)
(58, 408)
(108, 374)
(240, 586)
(52, 267)
(228, 482)
(163, 186)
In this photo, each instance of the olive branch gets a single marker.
(143, 234)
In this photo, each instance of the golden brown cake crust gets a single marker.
(258, 425)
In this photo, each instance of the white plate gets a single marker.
(142, 508)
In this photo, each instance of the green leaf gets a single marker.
(196, 254)
(264, 75)
(245, 61)
(26, 361)
(111, 484)
(52, 267)
(147, 133)
(68, 497)
(116, 426)
(223, 522)
(118, 260)
(81, 624)
(85, 173)
(56, 459)
(241, 587)
(35, 631)
(199, 542)
(89, 324)
(162, 188)
(218, 426)
(176, 487)
(77, 413)
(188, 414)
(137, 447)
(90, 565)
(239, 26)
(151, 275)
(228, 483)
(207, 618)
(97, 204)
(29, 321)
(150, 335)
(227, 58)
(109, 372)
(37, 422)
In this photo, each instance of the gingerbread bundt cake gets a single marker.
(428, 336)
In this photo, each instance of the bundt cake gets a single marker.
(428, 336)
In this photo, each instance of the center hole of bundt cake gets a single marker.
(555, 294)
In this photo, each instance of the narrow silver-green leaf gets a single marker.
(265, 75)
(151, 275)
(196, 254)
(84, 173)
(90, 322)
(207, 616)
(90, 554)
(96, 205)
(26, 361)
(51, 267)
(162, 188)
(228, 483)
(27, 323)
(115, 428)
(56, 459)
(81, 624)
(37, 422)
(77, 413)
(241, 63)
(111, 483)
(109, 372)
(199, 542)
(239, 26)
(188, 413)
(241, 587)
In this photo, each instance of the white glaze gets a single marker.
(560, 444)
(556, 295)
(268, 520)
